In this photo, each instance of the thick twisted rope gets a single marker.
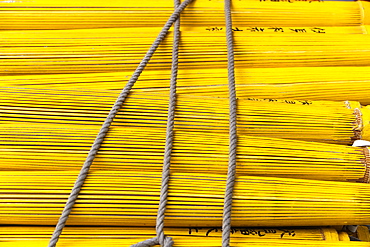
(161, 238)
(105, 127)
(147, 243)
(226, 224)
(169, 136)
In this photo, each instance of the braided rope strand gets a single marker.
(147, 243)
(162, 239)
(169, 136)
(105, 127)
(226, 224)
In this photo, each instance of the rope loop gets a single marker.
(168, 242)
(105, 128)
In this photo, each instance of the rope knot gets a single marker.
(167, 242)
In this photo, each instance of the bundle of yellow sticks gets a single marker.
(302, 77)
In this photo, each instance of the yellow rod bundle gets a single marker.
(69, 14)
(11, 233)
(198, 242)
(322, 121)
(39, 147)
(45, 133)
(314, 83)
(113, 198)
(113, 50)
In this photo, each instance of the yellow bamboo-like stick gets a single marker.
(46, 132)
(208, 242)
(322, 121)
(113, 198)
(40, 146)
(314, 83)
(42, 14)
(113, 50)
(17, 233)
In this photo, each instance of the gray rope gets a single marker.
(147, 243)
(154, 241)
(226, 224)
(169, 136)
(105, 127)
(162, 239)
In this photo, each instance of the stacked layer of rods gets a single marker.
(64, 63)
